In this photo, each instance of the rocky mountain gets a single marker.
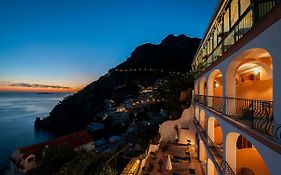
(146, 64)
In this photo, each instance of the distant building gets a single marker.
(119, 118)
(95, 126)
(24, 159)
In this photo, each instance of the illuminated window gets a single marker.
(244, 4)
(234, 12)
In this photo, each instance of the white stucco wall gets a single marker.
(270, 41)
(167, 130)
(271, 158)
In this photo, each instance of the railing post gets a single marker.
(206, 101)
(253, 112)
(276, 132)
(224, 105)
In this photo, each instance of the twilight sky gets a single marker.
(61, 45)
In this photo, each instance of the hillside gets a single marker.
(146, 64)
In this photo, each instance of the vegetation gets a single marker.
(63, 160)
(85, 163)
(171, 90)
(147, 133)
(54, 158)
(197, 70)
(147, 63)
(106, 170)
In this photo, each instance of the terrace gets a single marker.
(181, 157)
(214, 151)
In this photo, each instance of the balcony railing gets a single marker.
(256, 114)
(215, 153)
(250, 17)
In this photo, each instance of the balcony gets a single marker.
(214, 152)
(255, 114)
(183, 159)
(225, 32)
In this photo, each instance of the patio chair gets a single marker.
(186, 158)
(183, 144)
(153, 155)
(191, 171)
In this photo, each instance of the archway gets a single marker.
(197, 114)
(245, 171)
(196, 87)
(215, 132)
(243, 157)
(202, 90)
(249, 80)
(215, 84)
(203, 155)
(211, 170)
(215, 90)
(203, 86)
(249, 75)
(202, 118)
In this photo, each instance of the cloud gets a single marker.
(29, 85)
(4, 83)
(21, 85)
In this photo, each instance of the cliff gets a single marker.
(146, 64)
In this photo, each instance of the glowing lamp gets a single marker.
(256, 71)
(216, 84)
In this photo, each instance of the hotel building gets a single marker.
(237, 95)
(234, 122)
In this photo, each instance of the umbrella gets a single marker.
(169, 163)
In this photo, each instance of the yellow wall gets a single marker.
(250, 158)
(218, 135)
(261, 89)
(218, 91)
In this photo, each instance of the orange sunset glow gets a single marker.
(28, 89)
(36, 87)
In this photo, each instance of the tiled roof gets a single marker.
(74, 140)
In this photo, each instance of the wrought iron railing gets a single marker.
(215, 153)
(215, 103)
(250, 17)
(257, 114)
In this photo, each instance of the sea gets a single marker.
(18, 111)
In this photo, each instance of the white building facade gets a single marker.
(237, 95)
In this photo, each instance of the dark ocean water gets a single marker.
(18, 111)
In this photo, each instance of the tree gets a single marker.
(107, 170)
(171, 89)
(54, 158)
(87, 163)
